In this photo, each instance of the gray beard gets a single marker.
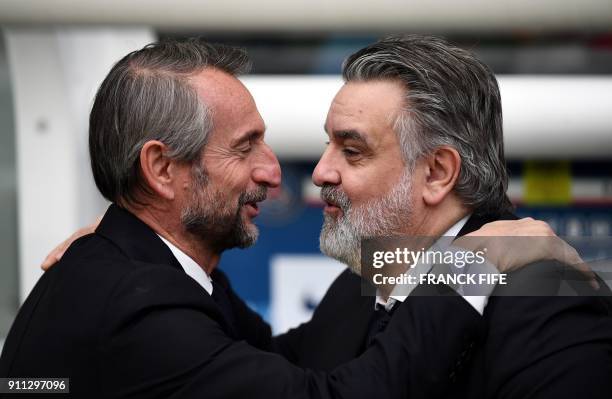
(220, 228)
(212, 219)
(385, 216)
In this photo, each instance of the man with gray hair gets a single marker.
(416, 149)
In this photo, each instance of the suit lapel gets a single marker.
(135, 239)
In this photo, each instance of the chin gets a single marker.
(354, 266)
(249, 236)
(351, 257)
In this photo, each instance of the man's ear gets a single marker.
(157, 169)
(442, 171)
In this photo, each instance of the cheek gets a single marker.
(230, 176)
(365, 185)
(419, 180)
(362, 190)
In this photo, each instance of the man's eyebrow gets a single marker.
(250, 135)
(350, 135)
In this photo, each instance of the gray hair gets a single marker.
(147, 96)
(451, 99)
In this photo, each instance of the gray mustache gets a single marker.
(335, 195)
(257, 195)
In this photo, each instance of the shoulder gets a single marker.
(346, 280)
(524, 331)
(552, 342)
(96, 271)
(345, 288)
(544, 294)
(345, 297)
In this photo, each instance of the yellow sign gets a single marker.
(547, 183)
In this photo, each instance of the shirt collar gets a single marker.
(192, 269)
(390, 302)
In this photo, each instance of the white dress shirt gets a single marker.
(477, 301)
(192, 269)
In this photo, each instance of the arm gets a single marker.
(256, 332)
(337, 329)
(153, 318)
(250, 326)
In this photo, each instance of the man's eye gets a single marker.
(245, 149)
(350, 152)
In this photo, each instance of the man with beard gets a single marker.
(416, 149)
(136, 309)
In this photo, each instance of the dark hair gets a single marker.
(147, 96)
(452, 99)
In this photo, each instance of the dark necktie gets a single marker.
(221, 297)
(378, 323)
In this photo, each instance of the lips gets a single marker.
(250, 201)
(252, 209)
(332, 209)
(329, 204)
(335, 199)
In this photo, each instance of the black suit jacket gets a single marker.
(120, 318)
(534, 347)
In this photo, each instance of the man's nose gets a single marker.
(325, 172)
(267, 170)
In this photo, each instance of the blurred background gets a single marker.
(553, 59)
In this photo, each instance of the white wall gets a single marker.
(55, 73)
